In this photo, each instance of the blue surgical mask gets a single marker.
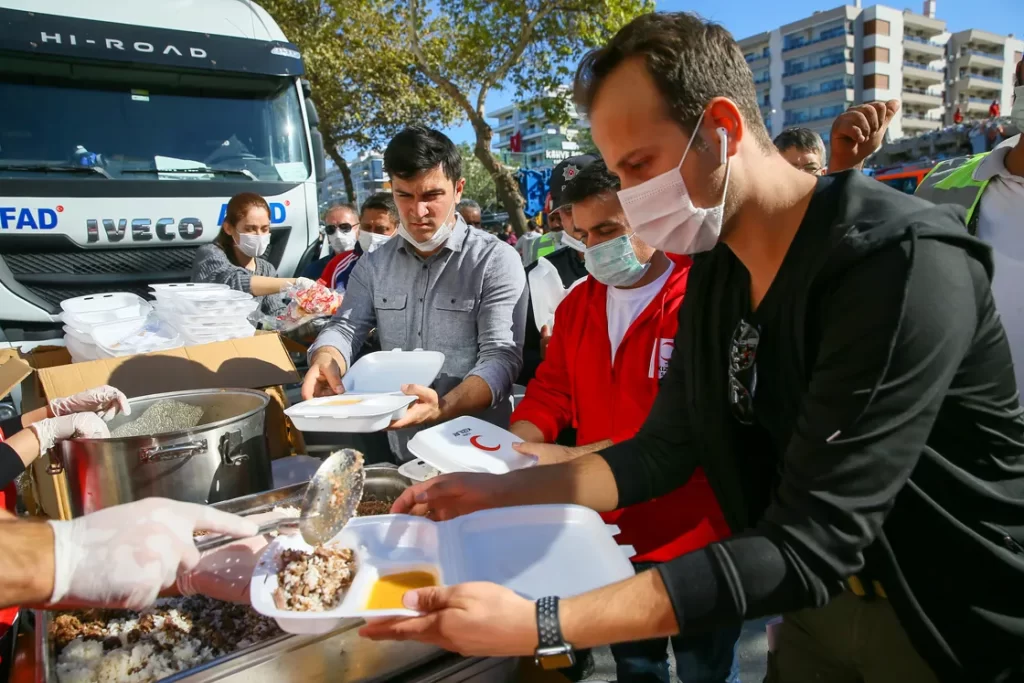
(614, 263)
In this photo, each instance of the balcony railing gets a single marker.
(991, 79)
(765, 79)
(979, 53)
(923, 41)
(979, 100)
(827, 35)
(823, 64)
(921, 91)
(921, 117)
(754, 58)
(825, 89)
(923, 67)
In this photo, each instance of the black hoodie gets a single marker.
(888, 439)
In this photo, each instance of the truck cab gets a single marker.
(126, 127)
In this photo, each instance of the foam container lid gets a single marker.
(187, 286)
(384, 372)
(98, 303)
(469, 444)
(535, 550)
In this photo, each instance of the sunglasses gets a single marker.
(343, 228)
(743, 371)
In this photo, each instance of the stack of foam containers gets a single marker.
(112, 324)
(205, 312)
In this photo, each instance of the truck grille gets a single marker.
(57, 275)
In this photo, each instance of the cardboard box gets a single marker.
(258, 362)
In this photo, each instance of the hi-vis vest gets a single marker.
(952, 182)
(541, 247)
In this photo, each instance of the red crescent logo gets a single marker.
(489, 449)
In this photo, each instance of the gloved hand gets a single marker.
(225, 573)
(122, 557)
(304, 283)
(105, 401)
(76, 425)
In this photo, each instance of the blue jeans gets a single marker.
(708, 657)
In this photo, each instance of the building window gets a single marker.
(876, 54)
(876, 82)
(876, 27)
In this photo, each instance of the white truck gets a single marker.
(125, 127)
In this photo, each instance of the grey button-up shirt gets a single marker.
(467, 301)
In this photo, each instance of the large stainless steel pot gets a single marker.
(225, 456)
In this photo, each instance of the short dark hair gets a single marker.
(691, 61)
(804, 139)
(418, 149)
(593, 180)
(382, 201)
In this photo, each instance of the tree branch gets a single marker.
(525, 37)
(421, 60)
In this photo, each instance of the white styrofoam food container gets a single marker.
(187, 286)
(546, 293)
(130, 337)
(535, 550)
(373, 396)
(469, 444)
(208, 302)
(418, 470)
(84, 312)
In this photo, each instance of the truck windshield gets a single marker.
(167, 133)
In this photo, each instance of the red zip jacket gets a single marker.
(577, 385)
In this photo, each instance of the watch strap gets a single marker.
(549, 629)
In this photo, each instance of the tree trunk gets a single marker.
(346, 173)
(505, 185)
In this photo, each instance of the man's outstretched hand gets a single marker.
(858, 132)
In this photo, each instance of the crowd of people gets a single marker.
(791, 387)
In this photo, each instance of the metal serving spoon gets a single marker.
(331, 499)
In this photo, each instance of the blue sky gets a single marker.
(746, 17)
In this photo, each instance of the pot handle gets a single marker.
(165, 453)
(229, 445)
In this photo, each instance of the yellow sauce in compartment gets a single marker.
(342, 402)
(388, 591)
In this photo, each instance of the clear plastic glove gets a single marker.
(105, 401)
(122, 557)
(75, 425)
(225, 573)
(301, 283)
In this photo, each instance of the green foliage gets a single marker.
(366, 87)
(479, 183)
(586, 142)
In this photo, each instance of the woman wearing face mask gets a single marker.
(235, 257)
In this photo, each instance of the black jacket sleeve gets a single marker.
(10, 465)
(888, 350)
(10, 427)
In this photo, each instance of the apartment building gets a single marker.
(542, 143)
(981, 68)
(368, 176)
(809, 71)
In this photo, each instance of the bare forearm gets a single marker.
(527, 431)
(26, 563)
(471, 396)
(26, 444)
(260, 285)
(36, 415)
(635, 609)
(586, 481)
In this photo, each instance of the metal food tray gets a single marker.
(340, 656)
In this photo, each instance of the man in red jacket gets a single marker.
(611, 344)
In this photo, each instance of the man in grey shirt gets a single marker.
(442, 286)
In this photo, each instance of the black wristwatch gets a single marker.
(552, 650)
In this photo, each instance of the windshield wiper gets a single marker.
(225, 171)
(59, 168)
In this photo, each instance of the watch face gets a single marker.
(555, 658)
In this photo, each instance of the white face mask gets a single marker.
(369, 241)
(436, 240)
(573, 243)
(662, 214)
(1017, 112)
(342, 241)
(253, 245)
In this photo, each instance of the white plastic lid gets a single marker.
(469, 444)
(418, 470)
(94, 303)
(384, 372)
(187, 286)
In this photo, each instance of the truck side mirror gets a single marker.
(319, 157)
